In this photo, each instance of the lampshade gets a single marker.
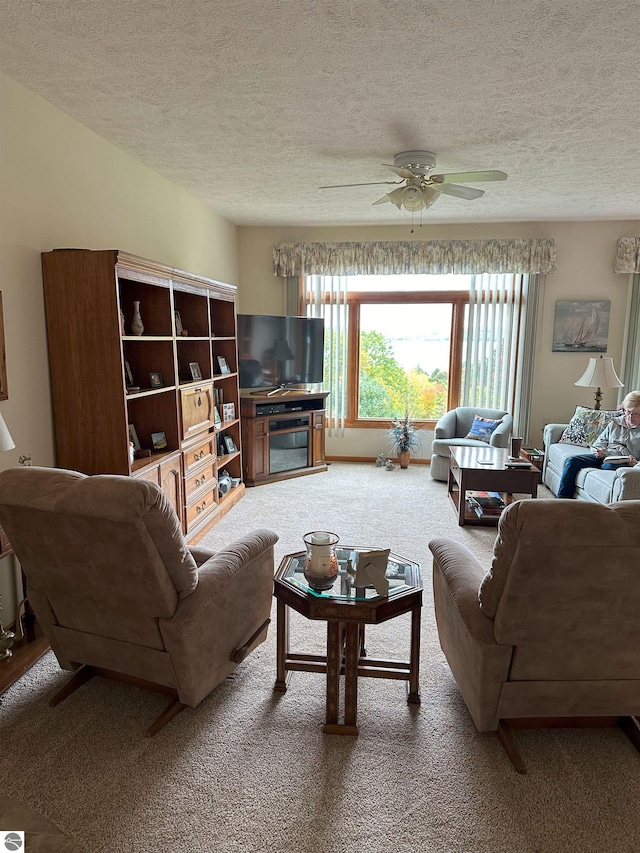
(281, 351)
(6, 442)
(600, 373)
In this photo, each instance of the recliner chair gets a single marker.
(452, 428)
(118, 592)
(550, 634)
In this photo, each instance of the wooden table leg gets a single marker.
(282, 646)
(414, 658)
(462, 498)
(334, 664)
(351, 678)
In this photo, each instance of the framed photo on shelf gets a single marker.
(128, 374)
(194, 368)
(222, 364)
(228, 411)
(155, 380)
(133, 437)
(216, 416)
(230, 444)
(159, 440)
(178, 322)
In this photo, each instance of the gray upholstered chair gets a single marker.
(117, 591)
(551, 632)
(452, 428)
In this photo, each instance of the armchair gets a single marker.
(550, 634)
(452, 428)
(117, 591)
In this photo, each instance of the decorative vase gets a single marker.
(403, 457)
(136, 324)
(321, 562)
(122, 329)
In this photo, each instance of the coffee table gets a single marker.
(483, 468)
(346, 616)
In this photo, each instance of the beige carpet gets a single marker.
(250, 771)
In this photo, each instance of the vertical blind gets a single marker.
(326, 296)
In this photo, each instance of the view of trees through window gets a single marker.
(404, 360)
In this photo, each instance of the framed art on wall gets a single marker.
(581, 325)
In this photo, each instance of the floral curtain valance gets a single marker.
(429, 257)
(627, 255)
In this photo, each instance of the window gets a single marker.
(404, 344)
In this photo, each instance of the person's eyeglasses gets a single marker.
(632, 413)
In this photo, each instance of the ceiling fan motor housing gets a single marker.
(418, 162)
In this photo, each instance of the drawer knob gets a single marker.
(201, 507)
(199, 403)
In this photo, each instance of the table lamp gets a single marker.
(600, 373)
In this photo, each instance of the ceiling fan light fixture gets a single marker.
(412, 199)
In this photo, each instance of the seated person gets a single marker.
(621, 437)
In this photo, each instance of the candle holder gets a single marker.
(321, 561)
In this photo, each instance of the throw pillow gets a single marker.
(482, 429)
(586, 425)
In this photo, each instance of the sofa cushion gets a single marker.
(482, 429)
(586, 425)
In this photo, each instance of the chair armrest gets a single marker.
(500, 435)
(446, 426)
(626, 486)
(463, 574)
(222, 615)
(551, 434)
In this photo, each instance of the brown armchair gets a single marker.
(550, 635)
(118, 592)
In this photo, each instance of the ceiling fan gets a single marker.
(418, 188)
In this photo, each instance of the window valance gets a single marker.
(627, 255)
(428, 257)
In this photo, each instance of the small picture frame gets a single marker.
(230, 444)
(159, 440)
(155, 380)
(228, 411)
(128, 374)
(194, 369)
(178, 323)
(222, 364)
(216, 416)
(133, 437)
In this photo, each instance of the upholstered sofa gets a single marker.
(592, 484)
(551, 630)
(451, 431)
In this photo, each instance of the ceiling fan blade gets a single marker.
(460, 191)
(404, 173)
(470, 177)
(383, 200)
(368, 184)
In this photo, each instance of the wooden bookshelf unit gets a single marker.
(165, 382)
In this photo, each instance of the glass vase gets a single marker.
(321, 561)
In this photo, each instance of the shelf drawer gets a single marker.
(197, 409)
(199, 453)
(200, 479)
(201, 507)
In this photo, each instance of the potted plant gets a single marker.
(404, 438)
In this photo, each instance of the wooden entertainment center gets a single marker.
(283, 434)
(168, 381)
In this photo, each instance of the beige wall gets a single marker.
(585, 260)
(63, 186)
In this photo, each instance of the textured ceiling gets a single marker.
(251, 106)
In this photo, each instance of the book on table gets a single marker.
(485, 503)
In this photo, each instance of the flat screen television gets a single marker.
(275, 351)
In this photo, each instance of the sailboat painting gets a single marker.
(581, 325)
